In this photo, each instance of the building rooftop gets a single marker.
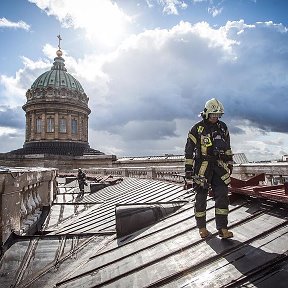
(239, 158)
(142, 233)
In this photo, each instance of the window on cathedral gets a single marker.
(74, 126)
(50, 124)
(62, 125)
(38, 125)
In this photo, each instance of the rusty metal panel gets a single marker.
(253, 181)
(252, 188)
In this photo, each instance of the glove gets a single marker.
(188, 175)
(230, 167)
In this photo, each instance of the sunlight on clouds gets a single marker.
(101, 20)
(11, 88)
(216, 37)
(50, 51)
(14, 88)
(16, 25)
(258, 145)
(40, 64)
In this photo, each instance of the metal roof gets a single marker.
(80, 247)
(252, 187)
(239, 158)
(57, 77)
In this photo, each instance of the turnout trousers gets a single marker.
(216, 176)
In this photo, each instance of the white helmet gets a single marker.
(212, 106)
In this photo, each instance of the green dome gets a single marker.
(57, 77)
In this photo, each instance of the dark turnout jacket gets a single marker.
(208, 145)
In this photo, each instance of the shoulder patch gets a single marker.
(200, 129)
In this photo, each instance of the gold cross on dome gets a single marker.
(59, 37)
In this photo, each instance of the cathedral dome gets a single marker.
(57, 85)
(57, 114)
(57, 77)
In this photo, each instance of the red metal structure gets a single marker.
(252, 187)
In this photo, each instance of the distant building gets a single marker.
(285, 157)
(240, 158)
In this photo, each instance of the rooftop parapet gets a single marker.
(25, 192)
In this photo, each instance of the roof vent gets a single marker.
(133, 217)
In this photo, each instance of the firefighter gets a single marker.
(208, 156)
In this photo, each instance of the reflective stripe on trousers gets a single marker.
(219, 211)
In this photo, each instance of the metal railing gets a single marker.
(161, 173)
(275, 173)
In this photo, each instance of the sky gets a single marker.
(149, 66)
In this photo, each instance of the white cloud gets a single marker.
(171, 6)
(16, 25)
(11, 139)
(150, 3)
(214, 11)
(258, 146)
(11, 86)
(14, 87)
(5, 131)
(103, 21)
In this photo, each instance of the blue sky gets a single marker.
(149, 66)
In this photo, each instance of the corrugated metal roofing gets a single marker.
(101, 216)
(83, 250)
(240, 158)
(57, 77)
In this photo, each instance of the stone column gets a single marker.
(28, 128)
(32, 137)
(56, 123)
(80, 128)
(86, 128)
(69, 125)
(44, 124)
